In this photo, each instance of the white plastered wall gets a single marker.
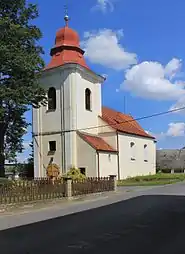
(108, 163)
(131, 168)
(87, 157)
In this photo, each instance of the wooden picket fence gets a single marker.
(44, 188)
(37, 189)
(92, 185)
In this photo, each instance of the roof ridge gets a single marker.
(116, 111)
(131, 125)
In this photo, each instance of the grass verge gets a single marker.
(152, 180)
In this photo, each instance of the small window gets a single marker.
(145, 153)
(83, 171)
(52, 98)
(52, 146)
(132, 150)
(88, 99)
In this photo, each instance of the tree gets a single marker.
(20, 68)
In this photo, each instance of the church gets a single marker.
(75, 130)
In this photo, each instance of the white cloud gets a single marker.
(26, 145)
(22, 158)
(178, 105)
(172, 68)
(153, 80)
(158, 136)
(176, 129)
(103, 47)
(104, 6)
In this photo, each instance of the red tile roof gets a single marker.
(96, 142)
(123, 123)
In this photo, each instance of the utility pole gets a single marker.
(124, 110)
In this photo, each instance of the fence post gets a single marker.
(68, 187)
(113, 178)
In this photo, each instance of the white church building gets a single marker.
(75, 130)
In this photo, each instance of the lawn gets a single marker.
(158, 179)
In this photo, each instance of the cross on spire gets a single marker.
(66, 17)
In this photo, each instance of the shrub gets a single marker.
(75, 174)
(166, 170)
(158, 170)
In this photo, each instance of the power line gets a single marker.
(123, 122)
(132, 120)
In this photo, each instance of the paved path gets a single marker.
(152, 221)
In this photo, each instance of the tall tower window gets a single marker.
(145, 153)
(88, 99)
(52, 98)
(133, 151)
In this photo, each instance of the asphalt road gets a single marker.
(145, 224)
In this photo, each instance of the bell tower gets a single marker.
(74, 103)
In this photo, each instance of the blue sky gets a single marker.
(140, 46)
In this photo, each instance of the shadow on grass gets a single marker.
(145, 224)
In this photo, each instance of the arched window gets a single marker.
(88, 99)
(145, 153)
(132, 151)
(52, 99)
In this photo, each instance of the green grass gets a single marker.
(151, 180)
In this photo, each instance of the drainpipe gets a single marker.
(98, 158)
(118, 156)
